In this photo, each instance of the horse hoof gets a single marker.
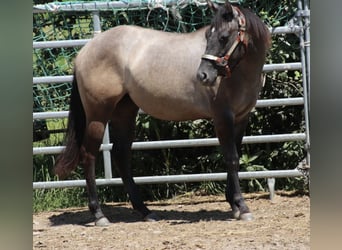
(246, 217)
(151, 217)
(102, 222)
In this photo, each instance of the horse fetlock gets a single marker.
(95, 209)
(240, 215)
(240, 202)
(245, 214)
(236, 214)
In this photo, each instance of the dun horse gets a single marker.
(213, 73)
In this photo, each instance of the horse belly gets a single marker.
(171, 105)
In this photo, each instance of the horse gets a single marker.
(212, 73)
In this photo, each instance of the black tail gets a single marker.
(67, 161)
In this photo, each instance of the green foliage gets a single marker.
(255, 157)
(49, 199)
(246, 164)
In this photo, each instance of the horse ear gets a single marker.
(228, 13)
(228, 6)
(213, 6)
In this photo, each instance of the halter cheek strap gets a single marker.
(242, 37)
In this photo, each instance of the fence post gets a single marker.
(96, 22)
(305, 72)
(106, 156)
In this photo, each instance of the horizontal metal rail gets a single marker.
(282, 66)
(52, 79)
(266, 68)
(60, 44)
(82, 42)
(204, 142)
(294, 101)
(171, 179)
(103, 6)
(50, 115)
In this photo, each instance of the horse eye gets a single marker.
(224, 38)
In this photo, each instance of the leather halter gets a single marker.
(242, 37)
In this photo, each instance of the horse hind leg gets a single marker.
(89, 150)
(100, 90)
(97, 117)
(122, 130)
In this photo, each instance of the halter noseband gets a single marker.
(241, 38)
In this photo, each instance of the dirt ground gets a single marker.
(187, 222)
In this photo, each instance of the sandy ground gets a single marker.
(187, 222)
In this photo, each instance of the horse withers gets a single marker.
(213, 73)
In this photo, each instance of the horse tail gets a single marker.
(67, 161)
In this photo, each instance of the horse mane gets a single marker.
(256, 28)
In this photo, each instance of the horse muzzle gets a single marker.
(207, 74)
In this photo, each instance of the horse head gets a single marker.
(227, 43)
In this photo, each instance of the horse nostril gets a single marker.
(203, 76)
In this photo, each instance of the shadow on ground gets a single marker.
(116, 213)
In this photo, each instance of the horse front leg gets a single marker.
(230, 137)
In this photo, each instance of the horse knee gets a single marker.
(232, 163)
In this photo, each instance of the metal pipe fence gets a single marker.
(204, 142)
(95, 8)
(266, 68)
(294, 101)
(170, 179)
(82, 42)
